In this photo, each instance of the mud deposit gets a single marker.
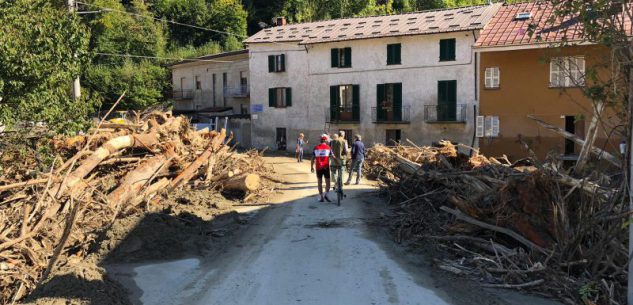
(188, 223)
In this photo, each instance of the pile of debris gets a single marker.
(117, 170)
(511, 225)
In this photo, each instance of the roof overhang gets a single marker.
(530, 46)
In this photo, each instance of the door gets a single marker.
(447, 100)
(570, 126)
(392, 137)
(281, 139)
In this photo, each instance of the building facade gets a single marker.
(524, 76)
(214, 91)
(388, 78)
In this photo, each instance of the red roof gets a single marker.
(506, 29)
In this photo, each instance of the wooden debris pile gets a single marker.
(116, 170)
(511, 225)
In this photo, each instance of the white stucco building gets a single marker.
(409, 76)
(215, 90)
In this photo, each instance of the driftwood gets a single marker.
(570, 136)
(246, 183)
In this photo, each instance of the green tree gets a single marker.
(42, 49)
(117, 32)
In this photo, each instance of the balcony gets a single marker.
(342, 114)
(182, 95)
(237, 91)
(391, 115)
(445, 114)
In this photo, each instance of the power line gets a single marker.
(158, 57)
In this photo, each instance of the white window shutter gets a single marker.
(488, 127)
(554, 72)
(496, 77)
(495, 126)
(479, 126)
(488, 78)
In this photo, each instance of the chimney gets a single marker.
(277, 21)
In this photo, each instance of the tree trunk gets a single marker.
(568, 135)
(192, 169)
(103, 152)
(134, 181)
(247, 183)
(592, 133)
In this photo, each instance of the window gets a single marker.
(342, 58)
(277, 63)
(567, 72)
(487, 126)
(198, 83)
(492, 78)
(393, 54)
(447, 49)
(345, 103)
(243, 78)
(389, 102)
(447, 101)
(393, 137)
(279, 97)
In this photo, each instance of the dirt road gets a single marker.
(300, 251)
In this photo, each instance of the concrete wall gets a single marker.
(203, 98)
(524, 90)
(310, 75)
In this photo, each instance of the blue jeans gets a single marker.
(357, 166)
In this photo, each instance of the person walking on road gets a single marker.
(299, 148)
(358, 157)
(339, 155)
(321, 158)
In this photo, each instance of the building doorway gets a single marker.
(281, 138)
(574, 125)
(348, 136)
(393, 137)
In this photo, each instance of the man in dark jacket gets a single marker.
(358, 156)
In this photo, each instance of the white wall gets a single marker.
(309, 74)
(203, 98)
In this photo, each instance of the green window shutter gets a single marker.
(397, 102)
(271, 97)
(447, 49)
(356, 103)
(380, 97)
(271, 63)
(334, 53)
(282, 68)
(333, 103)
(348, 57)
(451, 49)
(288, 97)
(390, 54)
(447, 100)
(397, 57)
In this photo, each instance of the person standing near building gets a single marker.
(358, 157)
(321, 157)
(339, 155)
(299, 148)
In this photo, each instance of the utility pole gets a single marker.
(76, 83)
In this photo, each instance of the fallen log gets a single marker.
(107, 149)
(136, 179)
(192, 169)
(484, 225)
(246, 183)
(570, 136)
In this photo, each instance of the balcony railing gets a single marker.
(342, 114)
(237, 91)
(445, 113)
(391, 114)
(182, 94)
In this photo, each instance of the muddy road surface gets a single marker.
(300, 251)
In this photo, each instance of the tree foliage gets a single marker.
(42, 48)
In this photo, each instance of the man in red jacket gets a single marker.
(322, 154)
